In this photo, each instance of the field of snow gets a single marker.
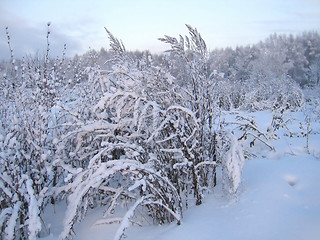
(279, 199)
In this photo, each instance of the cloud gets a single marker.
(26, 38)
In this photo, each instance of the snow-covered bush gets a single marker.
(132, 131)
(149, 140)
(124, 180)
(232, 161)
(27, 144)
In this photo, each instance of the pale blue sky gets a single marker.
(139, 23)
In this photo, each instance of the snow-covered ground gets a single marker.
(279, 199)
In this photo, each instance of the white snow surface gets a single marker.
(279, 198)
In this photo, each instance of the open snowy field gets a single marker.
(279, 198)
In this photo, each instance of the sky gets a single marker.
(139, 23)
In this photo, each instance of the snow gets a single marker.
(290, 179)
(279, 198)
(34, 224)
(268, 207)
(125, 223)
(154, 142)
(4, 214)
(9, 231)
(137, 184)
(234, 164)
